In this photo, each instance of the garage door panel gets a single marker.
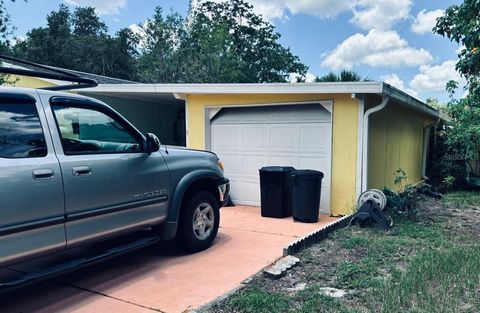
(283, 138)
(247, 139)
(315, 137)
(276, 160)
(251, 164)
(226, 137)
(253, 138)
(230, 162)
(247, 193)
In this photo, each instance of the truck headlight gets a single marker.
(220, 165)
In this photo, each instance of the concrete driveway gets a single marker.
(162, 278)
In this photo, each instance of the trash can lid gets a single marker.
(277, 169)
(311, 173)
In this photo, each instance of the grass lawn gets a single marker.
(431, 264)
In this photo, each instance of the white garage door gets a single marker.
(249, 138)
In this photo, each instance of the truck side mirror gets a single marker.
(152, 143)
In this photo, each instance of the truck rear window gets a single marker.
(21, 134)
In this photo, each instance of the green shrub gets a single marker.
(404, 201)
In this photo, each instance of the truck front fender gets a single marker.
(168, 229)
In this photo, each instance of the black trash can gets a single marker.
(275, 191)
(306, 189)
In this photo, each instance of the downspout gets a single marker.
(365, 145)
(184, 97)
(426, 146)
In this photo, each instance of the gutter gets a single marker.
(366, 119)
(411, 102)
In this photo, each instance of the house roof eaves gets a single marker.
(279, 88)
(275, 88)
(412, 102)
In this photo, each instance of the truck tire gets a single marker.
(199, 222)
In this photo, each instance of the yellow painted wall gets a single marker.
(396, 141)
(344, 148)
(27, 82)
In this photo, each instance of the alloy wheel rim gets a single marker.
(203, 221)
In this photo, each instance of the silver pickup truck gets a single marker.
(74, 172)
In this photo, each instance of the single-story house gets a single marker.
(357, 133)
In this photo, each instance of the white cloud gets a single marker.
(435, 78)
(397, 82)
(377, 49)
(103, 7)
(281, 8)
(18, 39)
(319, 8)
(367, 14)
(270, 9)
(394, 80)
(425, 21)
(380, 14)
(139, 30)
(309, 77)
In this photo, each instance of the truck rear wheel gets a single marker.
(199, 222)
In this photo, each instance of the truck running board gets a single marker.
(71, 265)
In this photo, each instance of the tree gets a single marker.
(79, 41)
(252, 41)
(86, 22)
(463, 133)
(222, 42)
(216, 43)
(160, 59)
(210, 54)
(436, 104)
(6, 29)
(5, 22)
(344, 76)
(460, 23)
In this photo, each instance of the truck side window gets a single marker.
(21, 134)
(88, 131)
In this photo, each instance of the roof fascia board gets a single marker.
(410, 101)
(122, 88)
(282, 88)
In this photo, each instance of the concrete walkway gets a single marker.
(162, 278)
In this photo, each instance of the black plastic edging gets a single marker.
(316, 236)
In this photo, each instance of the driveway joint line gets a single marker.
(260, 232)
(91, 291)
(108, 296)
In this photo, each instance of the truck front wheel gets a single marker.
(199, 222)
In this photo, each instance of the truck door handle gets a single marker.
(81, 170)
(43, 174)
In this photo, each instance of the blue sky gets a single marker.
(381, 39)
